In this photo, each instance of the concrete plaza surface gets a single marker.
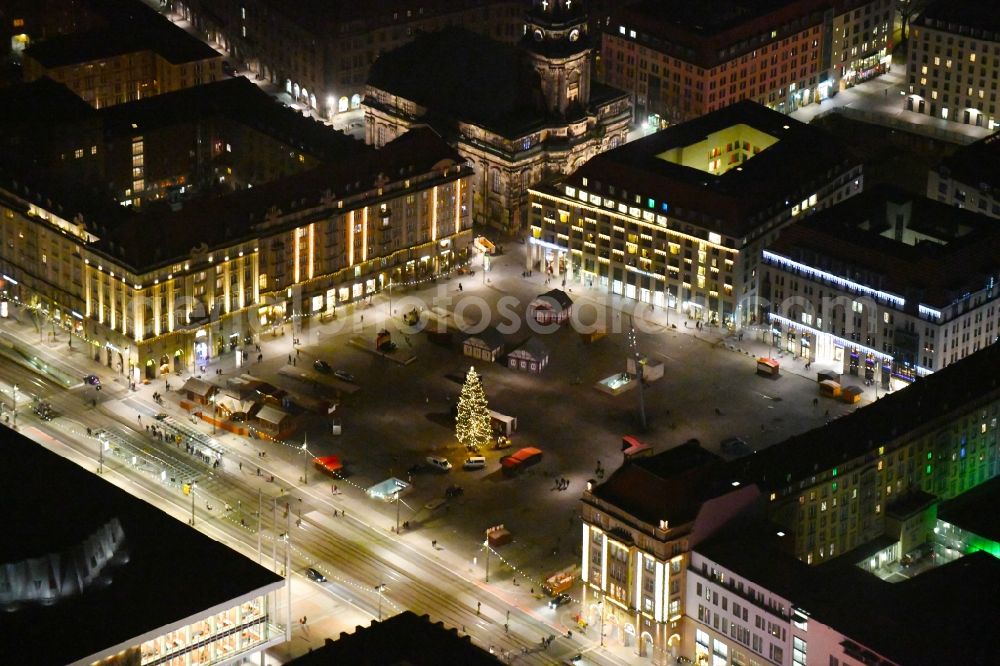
(401, 414)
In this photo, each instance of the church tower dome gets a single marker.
(557, 42)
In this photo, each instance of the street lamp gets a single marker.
(305, 461)
(191, 488)
(15, 406)
(634, 349)
(396, 498)
(215, 412)
(486, 545)
(100, 455)
(379, 588)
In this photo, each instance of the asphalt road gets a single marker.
(353, 555)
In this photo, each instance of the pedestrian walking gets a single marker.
(298, 352)
(479, 607)
(289, 358)
(140, 418)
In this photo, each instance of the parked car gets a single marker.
(735, 446)
(474, 462)
(312, 574)
(439, 463)
(343, 374)
(559, 600)
(321, 366)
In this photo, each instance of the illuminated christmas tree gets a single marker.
(472, 423)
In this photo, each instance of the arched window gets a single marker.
(355, 101)
(342, 104)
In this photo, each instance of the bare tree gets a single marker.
(907, 9)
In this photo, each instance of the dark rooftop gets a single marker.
(490, 83)
(239, 100)
(923, 250)
(800, 157)
(41, 103)
(236, 216)
(949, 14)
(320, 16)
(956, 387)
(671, 485)
(889, 618)
(402, 639)
(133, 27)
(975, 510)
(52, 505)
(976, 164)
(703, 32)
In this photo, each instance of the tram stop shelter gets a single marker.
(388, 489)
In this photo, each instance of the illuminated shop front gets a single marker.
(220, 637)
(846, 356)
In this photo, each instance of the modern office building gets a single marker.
(678, 219)
(119, 581)
(954, 62)
(866, 485)
(887, 285)
(680, 60)
(138, 54)
(164, 290)
(519, 113)
(969, 178)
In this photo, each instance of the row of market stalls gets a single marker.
(552, 307)
(244, 405)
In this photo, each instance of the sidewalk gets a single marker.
(882, 101)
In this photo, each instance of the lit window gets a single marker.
(78, 153)
(972, 57)
(937, 60)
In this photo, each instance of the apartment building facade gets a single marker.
(682, 61)
(969, 178)
(886, 286)
(137, 54)
(160, 292)
(954, 62)
(320, 55)
(679, 219)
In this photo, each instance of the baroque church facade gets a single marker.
(519, 113)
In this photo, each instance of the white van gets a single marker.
(475, 462)
(439, 463)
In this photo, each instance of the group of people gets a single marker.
(561, 484)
